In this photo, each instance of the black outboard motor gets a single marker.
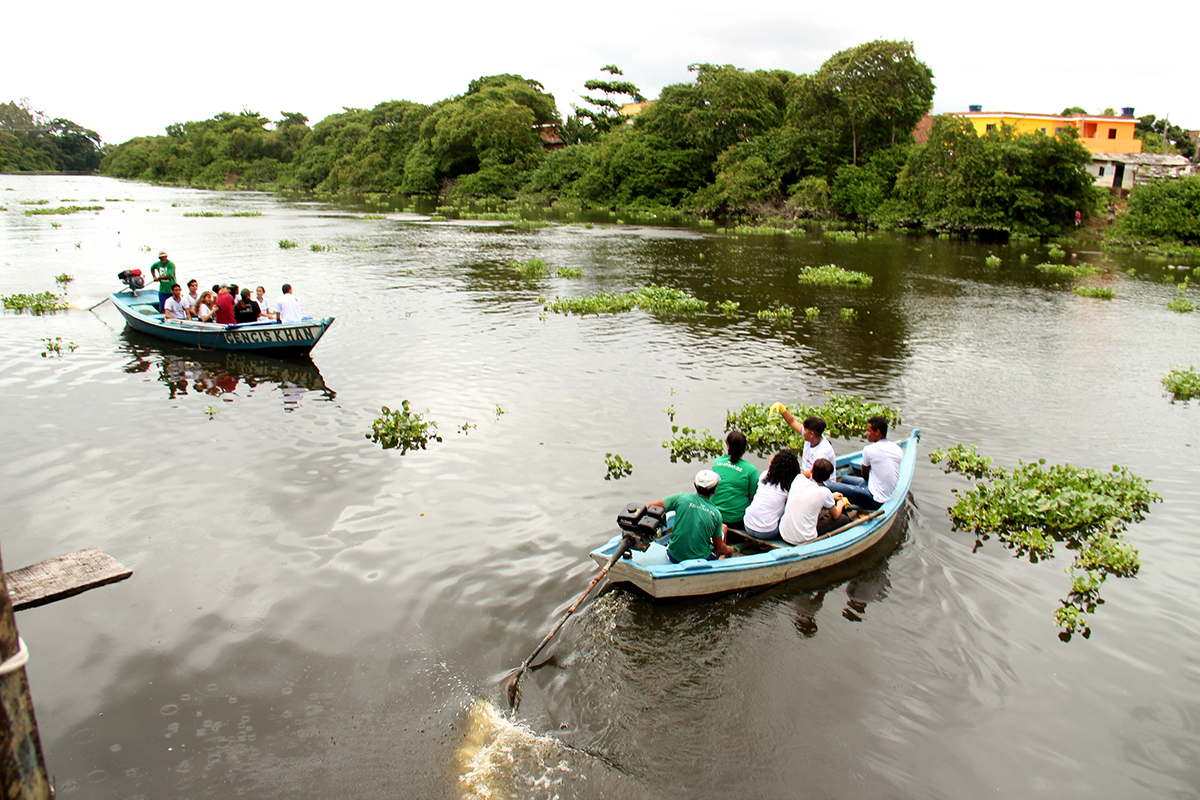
(133, 279)
(642, 524)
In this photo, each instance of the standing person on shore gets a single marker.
(287, 308)
(739, 481)
(163, 271)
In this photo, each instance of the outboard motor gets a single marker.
(642, 524)
(133, 279)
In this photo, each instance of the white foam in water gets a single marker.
(501, 759)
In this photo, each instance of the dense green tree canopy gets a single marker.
(32, 142)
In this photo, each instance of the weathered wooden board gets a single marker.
(64, 576)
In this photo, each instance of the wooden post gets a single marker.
(22, 766)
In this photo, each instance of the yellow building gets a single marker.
(1099, 134)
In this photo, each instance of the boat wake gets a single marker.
(501, 759)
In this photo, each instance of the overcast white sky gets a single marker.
(130, 69)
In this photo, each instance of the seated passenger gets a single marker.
(206, 308)
(763, 515)
(175, 307)
(739, 481)
(287, 308)
(801, 514)
(264, 307)
(224, 314)
(246, 309)
(816, 445)
(880, 469)
(697, 529)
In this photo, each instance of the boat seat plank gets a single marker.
(64, 576)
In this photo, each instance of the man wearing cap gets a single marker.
(163, 271)
(697, 531)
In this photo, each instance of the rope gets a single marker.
(18, 660)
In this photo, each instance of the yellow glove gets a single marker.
(778, 408)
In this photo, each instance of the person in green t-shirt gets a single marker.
(739, 481)
(697, 531)
(163, 271)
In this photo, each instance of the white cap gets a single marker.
(707, 479)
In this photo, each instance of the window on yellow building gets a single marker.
(991, 127)
(1112, 133)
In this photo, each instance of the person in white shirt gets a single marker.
(264, 306)
(762, 517)
(816, 444)
(193, 295)
(176, 307)
(287, 309)
(801, 520)
(880, 469)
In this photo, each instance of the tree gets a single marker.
(879, 90)
(1156, 133)
(1072, 110)
(36, 143)
(606, 111)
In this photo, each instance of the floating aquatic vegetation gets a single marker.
(31, 212)
(849, 314)
(846, 236)
(211, 412)
(1097, 292)
(63, 279)
(1067, 271)
(756, 230)
(1056, 252)
(780, 316)
(319, 248)
(569, 272)
(655, 299)
(812, 312)
(244, 214)
(403, 429)
(530, 270)
(38, 303)
(35, 202)
(729, 307)
(1031, 508)
(1181, 305)
(992, 260)
(766, 432)
(203, 214)
(833, 275)
(54, 346)
(286, 244)
(437, 218)
(530, 224)
(373, 216)
(617, 467)
(1183, 384)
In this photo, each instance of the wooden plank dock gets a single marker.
(64, 576)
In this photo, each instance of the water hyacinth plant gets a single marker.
(1097, 292)
(1067, 271)
(992, 260)
(780, 316)
(1032, 508)
(286, 244)
(812, 312)
(403, 429)
(61, 210)
(39, 303)
(655, 299)
(530, 270)
(1183, 384)
(54, 346)
(833, 275)
(729, 307)
(617, 467)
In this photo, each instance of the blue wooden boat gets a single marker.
(140, 310)
(653, 573)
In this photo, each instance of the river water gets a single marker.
(313, 616)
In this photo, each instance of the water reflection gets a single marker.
(218, 373)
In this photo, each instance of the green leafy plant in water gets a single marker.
(617, 467)
(1024, 258)
(203, 214)
(35, 202)
(845, 236)
(812, 312)
(1066, 270)
(833, 275)
(403, 429)
(54, 346)
(373, 216)
(1033, 508)
(1056, 252)
(1181, 305)
(780, 316)
(530, 270)
(655, 299)
(992, 260)
(63, 279)
(319, 248)
(729, 307)
(61, 210)
(1097, 292)
(1183, 384)
(569, 272)
(286, 244)
(766, 432)
(530, 224)
(39, 303)
(212, 412)
(849, 314)
(466, 427)
(246, 214)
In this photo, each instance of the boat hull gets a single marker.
(654, 574)
(141, 313)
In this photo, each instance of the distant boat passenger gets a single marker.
(288, 306)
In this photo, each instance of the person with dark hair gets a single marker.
(287, 308)
(697, 530)
(880, 469)
(246, 309)
(176, 307)
(762, 517)
(739, 481)
(816, 445)
(163, 271)
(801, 520)
(224, 314)
(193, 293)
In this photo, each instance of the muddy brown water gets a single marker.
(313, 616)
